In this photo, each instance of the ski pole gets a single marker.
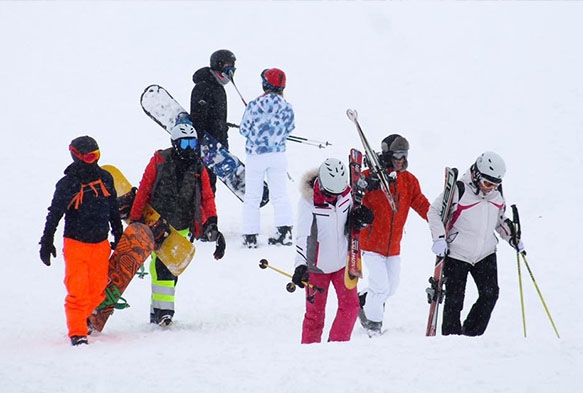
(516, 235)
(291, 287)
(310, 142)
(521, 293)
(237, 89)
(523, 254)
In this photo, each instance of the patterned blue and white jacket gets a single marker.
(266, 123)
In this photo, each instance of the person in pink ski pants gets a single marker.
(322, 246)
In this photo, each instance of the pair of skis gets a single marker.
(435, 293)
(353, 269)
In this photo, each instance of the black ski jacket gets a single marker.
(87, 198)
(208, 106)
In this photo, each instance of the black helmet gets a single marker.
(220, 57)
(84, 148)
(396, 145)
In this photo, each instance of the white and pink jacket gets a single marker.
(321, 238)
(473, 220)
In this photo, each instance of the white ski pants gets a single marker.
(383, 279)
(257, 168)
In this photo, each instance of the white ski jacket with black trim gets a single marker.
(321, 239)
(472, 221)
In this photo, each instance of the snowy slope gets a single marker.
(454, 78)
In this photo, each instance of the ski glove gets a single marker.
(47, 249)
(221, 245)
(373, 182)
(115, 241)
(518, 245)
(161, 230)
(439, 247)
(362, 217)
(301, 276)
(125, 203)
(210, 229)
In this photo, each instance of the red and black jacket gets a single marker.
(177, 189)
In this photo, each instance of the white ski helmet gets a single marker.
(182, 129)
(333, 176)
(491, 167)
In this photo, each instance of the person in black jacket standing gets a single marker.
(208, 100)
(87, 198)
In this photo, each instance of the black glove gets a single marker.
(220, 247)
(373, 182)
(125, 203)
(210, 229)
(115, 241)
(362, 217)
(301, 276)
(47, 249)
(161, 230)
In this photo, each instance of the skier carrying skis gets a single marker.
(322, 245)
(381, 242)
(176, 185)
(469, 244)
(266, 123)
(208, 99)
(87, 198)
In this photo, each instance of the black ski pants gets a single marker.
(485, 275)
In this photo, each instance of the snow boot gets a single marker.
(283, 236)
(250, 241)
(78, 340)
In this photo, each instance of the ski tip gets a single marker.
(352, 114)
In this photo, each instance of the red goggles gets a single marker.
(88, 158)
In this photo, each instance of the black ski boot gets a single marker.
(250, 241)
(78, 340)
(283, 236)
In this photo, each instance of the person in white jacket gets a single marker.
(267, 122)
(322, 246)
(468, 242)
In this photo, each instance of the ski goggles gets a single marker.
(488, 184)
(490, 179)
(229, 71)
(188, 143)
(88, 158)
(399, 154)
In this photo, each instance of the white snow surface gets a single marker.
(455, 78)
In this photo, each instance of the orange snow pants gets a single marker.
(86, 268)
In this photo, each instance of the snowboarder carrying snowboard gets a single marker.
(469, 244)
(176, 185)
(381, 242)
(266, 123)
(208, 100)
(87, 198)
(322, 246)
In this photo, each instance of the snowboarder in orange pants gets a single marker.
(87, 198)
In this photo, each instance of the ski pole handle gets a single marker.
(352, 114)
(264, 264)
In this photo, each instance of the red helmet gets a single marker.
(273, 79)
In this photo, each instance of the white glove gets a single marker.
(517, 246)
(439, 247)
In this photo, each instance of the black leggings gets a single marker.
(485, 275)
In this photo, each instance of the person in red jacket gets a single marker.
(176, 184)
(381, 241)
(87, 199)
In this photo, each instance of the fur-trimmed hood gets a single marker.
(307, 184)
